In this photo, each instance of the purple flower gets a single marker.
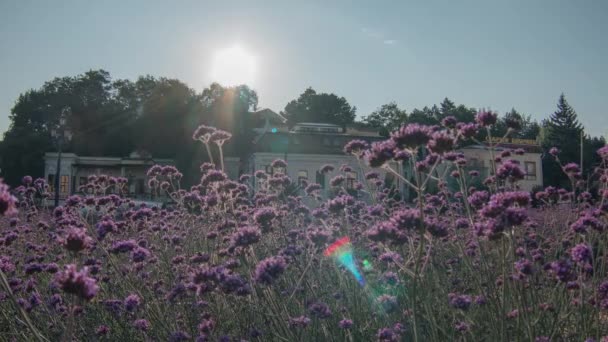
(388, 335)
(213, 176)
(278, 163)
(406, 219)
(245, 236)
(77, 282)
(123, 246)
(263, 216)
(553, 151)
(269, 269)
(449, 122)
(77, 240)
(462, 327)
(104, 227)
(581, 253)
(179, 336)
(510, 171)
(8, 202)
(486, 118)
(524, 266)
(299, 322)
(562, 270)
(587, 221)
(441, 142)
(312, 188)
(355, 147)
(320, 310)
(337, 181)
(411, 136)
(141, 324)
(380, 153)
(220, 136)
(139, 254)
(603, 152)
(467, 130)
(571, 169)
(206, 325)
(102, 330)
(132, 302)
(203, 133)
(462, 302)
(345, 323)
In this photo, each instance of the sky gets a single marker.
(492, 54)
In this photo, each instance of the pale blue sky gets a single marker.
(486, 53)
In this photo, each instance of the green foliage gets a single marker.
(563, 131)
(116, 117)
(387, 118)
(311, 106)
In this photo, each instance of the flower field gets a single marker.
(243, 260)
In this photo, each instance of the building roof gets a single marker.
(106, 161)
(272, 116)
(507, 146)
(307, 142)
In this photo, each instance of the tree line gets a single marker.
(158, 115)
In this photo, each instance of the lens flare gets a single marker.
(342, 252)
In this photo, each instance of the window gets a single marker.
(51, 182)
(337, 142)
(83, 181)
(63, 184)
(530, 170)
(351, 178)
(320, 179)
(302, 178)
(268, 169)
(326, 141)
(139, 186)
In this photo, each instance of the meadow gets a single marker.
(226, 263)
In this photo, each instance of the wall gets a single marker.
(483, 155)
(311, 163)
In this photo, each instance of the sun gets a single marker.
(233, 66)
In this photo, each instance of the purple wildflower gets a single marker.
(380, 153)
(269, 269)
(320, 310)
(299, 322)
(486, 118)
(77, 282)
(581, 253)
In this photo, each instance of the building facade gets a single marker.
(479, 157)
(306, 147)
(76, 169)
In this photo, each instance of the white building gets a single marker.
(76, 169)
(306, 147)
(480, 158)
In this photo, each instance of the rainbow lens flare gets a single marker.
(342, 252)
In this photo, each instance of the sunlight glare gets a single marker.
(233, 66)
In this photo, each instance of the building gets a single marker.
(306, 147)
(480, 158)
(76, 169)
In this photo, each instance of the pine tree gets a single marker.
(564, 132)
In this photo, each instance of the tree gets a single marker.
(98, 124)
(311, 106)
(387, 118)
(563, 131)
